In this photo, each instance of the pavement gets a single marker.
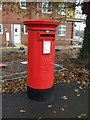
(60, 47)
(65, 103)
(24, 48)
(0, 101)
(15, 48)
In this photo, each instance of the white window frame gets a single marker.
(21, 4)
(62, 10)
(46, 9)
(0, 6)
(61, 29)
(25, 30)
(1, 29)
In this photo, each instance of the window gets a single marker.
(1, 29)
(46, 7)
(23, 4)
(78, 12)
(0, 5)
(62, 9)
(61, 30)
(25, 29)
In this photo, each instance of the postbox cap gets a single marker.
(41, 21)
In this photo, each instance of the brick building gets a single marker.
(14, 32)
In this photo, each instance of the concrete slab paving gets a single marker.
(0, 104)
(18, 105)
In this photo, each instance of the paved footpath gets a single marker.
(66, 103)
(17, 49)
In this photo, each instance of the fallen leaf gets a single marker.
(39, 118)
(78, 82)
(22, 111)
(76, 90)
(63, 75)
(83, 115)
(54, 111)
(68, 81)
(84, 82)
(62, 109)
(78, 94)
(64, 97)
(64, 80)
(49, 106)
(79, 116)
(80, 87)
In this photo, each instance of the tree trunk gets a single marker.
(85, 50)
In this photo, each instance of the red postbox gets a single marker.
(41, 53)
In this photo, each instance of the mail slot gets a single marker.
(47, 35)
(41, 53)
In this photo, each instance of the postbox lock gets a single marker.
(47, 31)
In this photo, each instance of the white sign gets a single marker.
(47, 47)
(7, 36)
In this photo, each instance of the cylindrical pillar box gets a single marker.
(41, 53)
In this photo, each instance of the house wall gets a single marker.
(69, 34)
(0, 22)
(15, 18)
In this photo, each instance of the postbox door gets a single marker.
(47, 62)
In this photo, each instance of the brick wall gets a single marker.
(13, 18)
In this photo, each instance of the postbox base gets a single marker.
(40, 94)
